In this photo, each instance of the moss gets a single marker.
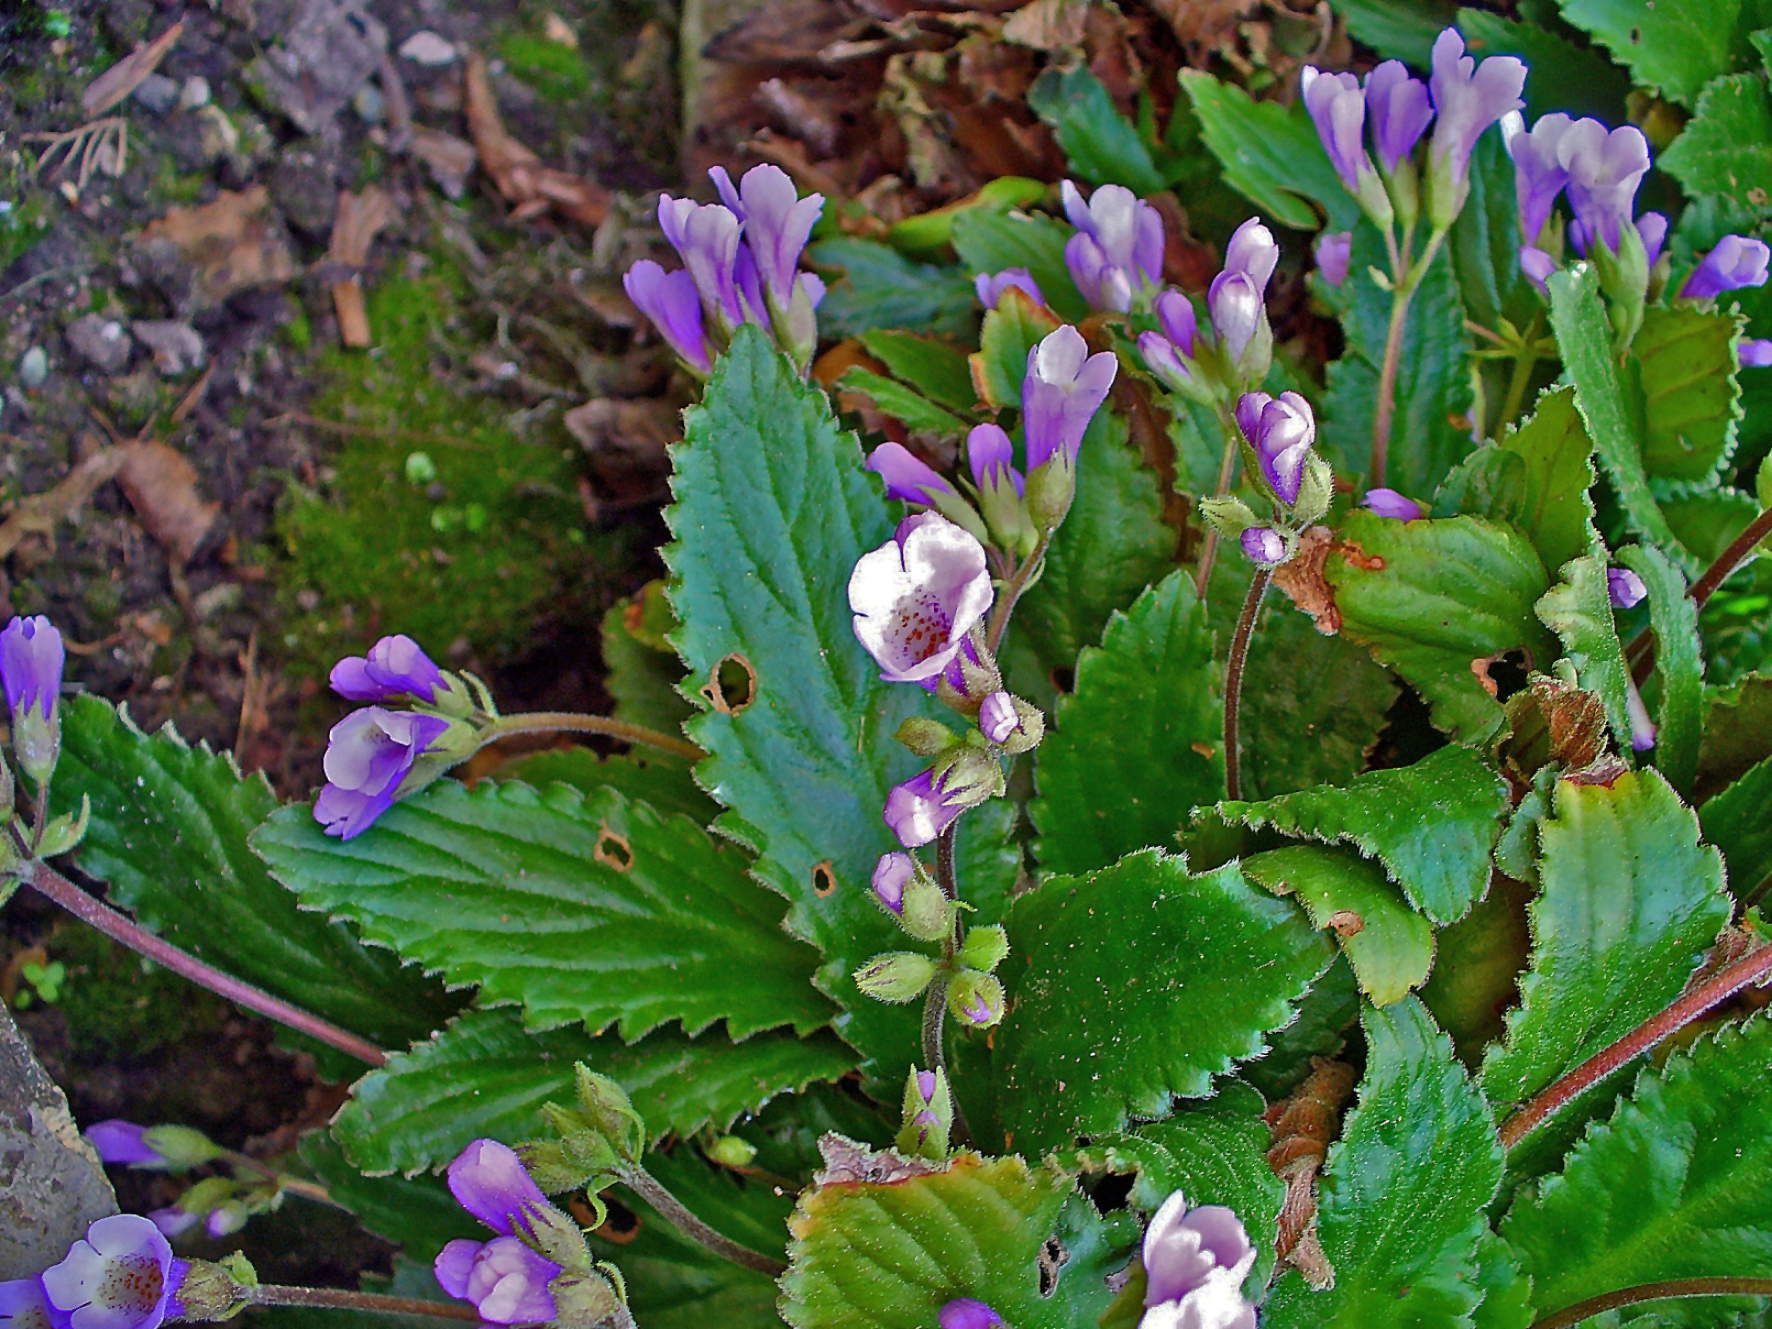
(298, 330)
(557, 72)
(171, 187)
(120, 1005)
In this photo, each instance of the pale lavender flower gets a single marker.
(892, 874)
(1755, 353)
(1398, 107)
(990, 286)
(506, 1281)
(23, 1306)
(777, 223)
(1263, 546)
(671, 301)
(917, 596)
(1652, 228)
(1537, 265)
(967, 1313)
(121, 1275)
(1539, 172)
(118, 1141)
(1624, 588)
(1468, 98)
(1175, 312)
(1169, 354)
(31, 659)
(906, 477)
(1195, 1263)
(1736, 262)
(1604, 172)
(172, 1221)
(1642, 728)
(705, 235)
(1338, 109)
(1334, 249)
(491, 1183)
(997, 717)
(1236, 297)
(1061, 392)
(369, 754)
(990, 454)
(1118, 248)
(1389, 503)
(395, 669)
(922, 808)
(1281, 430)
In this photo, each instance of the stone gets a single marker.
(100, 341)
(329, 50)
(33, 367)
(177, 347)
(304, 189)
(157, 92)
(427, 48)
(194, 93)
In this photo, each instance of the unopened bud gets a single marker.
(1030, 728)
(606, 1108)
(1050, 488)
(65, 832)
(928, 1115)
(1230, 517)
(556, 1170)
(984, 948)
(731, 1151)
(180, 1147)
(925, 737)
(895, 977)
(975, 999)
(1316, 484)
(586, 1300)
(928, 915)
(215, 1291)
(969, 774)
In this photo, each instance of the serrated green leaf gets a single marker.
(485, 1075)
(1111, 546)
(1430, 429)
(1401, 1196)
(1737, 732)
(1629, 902)
(674, 1283)
(662, 781)
(1735, 821)
(1382, 812)
(1435, 598)
(1579, 610)
(1577, 80)
(1271, 154)
(1123, 765)
(1399, 29)
(1328, 1011)
(525, 893)
(1390, 946)
(1585, 339)
(1671, 49)
(169, 833)
(1679, 665)
(1506, 1288)
(417, 1214)
(1726, 148)
(1484, 246)
(937, 368)
(1555, 512)
(1101, 145)
(1010, 331)
(990, 242)
(1678, 1184)
(1707, 522)
(889, 1256)
(879, 288)
(640, 671)
(1691, 401)
(915, 411)
(1477, 964)
(1135, 984)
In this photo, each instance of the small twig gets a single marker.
(1233, 680)
(1641, 651)
(1018, 583)
(671, 1209)
(550, 722)
(1674, 1287)
(1722, 985)
(342, 1299)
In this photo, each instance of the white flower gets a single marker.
(917, 596)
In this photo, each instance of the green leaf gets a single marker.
(1433, 599)
(1009, 333)
(1390, 946)
(1507, 1291)
(1430, 429)
(1691, 401)
(1671, 49)
(1101, 145)
(169, 833)
(1678, 1184)
(1579, 610)
(1705, 523)
(1123, 765)
(675, 1283)
(1111, 546)
(640, 670)
(1735, 821)
(417, 1214)
(1381, 813)
(1555, 512)
(1679, 665)
(891, 1255)
(1138, 983)
(1329, 1010)
(938, 368)
(1400, 1208)
(1585, 339)
(662, 781)
(1399, 29)
(992, 241)
(1629, 902)
(1726, 148)
(880, 288)
(1270, 153)
(1577, 80)
(576, 906)
(485, 1075)
(915, 411)
(1737, 732)
(1484, 246)
(1477, 963)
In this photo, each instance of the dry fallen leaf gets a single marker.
(448, 157)
(526, 184)
(37, 514)
(230, 244)
(1302, 580)
(360, 218)
(127, 74)
(162, 488)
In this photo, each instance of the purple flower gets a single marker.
(1281, 430)
(1755, 353)
(1537, 265)
(921, 809)
(1652, 228)
(917, 596)
(1735, 263)
(670, 300)
(990, 453)
(1061, 392)
(505, 1280)
(1180, 324)
(990, 287)
(368, 754)
(1334, 249)
(22, 1305)
(1539, 172)
(1624, 588)
(891, 874)
(1389, 503)
(997, 717)
(967, 1313)
(705, 236)
(777, 223)
(1642, 728)
(394, 670)
(120, 1141)
(121, 1275)
(31, 657)
(1195, 1263)
(1264, 546)
(1468, 98)
(172, 1220)
(1338, 109)
(1118, 248)
(1399, 110)
(1604, 172)
(1235, 298)
(907, 478)
(491, 1183)
(1169, 354)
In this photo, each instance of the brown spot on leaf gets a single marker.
(731, 685)
(824, 881)
(1301, 578)
(613, 851)
(1346, 922)
(1357, 557)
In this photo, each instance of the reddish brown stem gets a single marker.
(341, 1299)
(116, 926)
(1674, 1287)
(1722, 985)
(1641, 651)
(1233, 681)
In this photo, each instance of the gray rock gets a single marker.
(305, 191)
(100, 341)
(51, 1184)
(194, 93)
(157, 92)
(328, 52)
(33, 367)
(425, 47)
(177, 346)
(371, 107)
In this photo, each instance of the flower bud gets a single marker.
(557, 1169)
(587, 1300)
(967, 1313)
(65, 832)
(31, 658)
(1624, 588)
(928, 1115)
(891, 875)
(928, 914)
(1315, 487)
(1265, 546)
(984, 948)
(605, 1106)
(925, 737)
(975, 999)
(731, 1151)
(1230, 517)
(895, 977)
(1030, 729)
(1389, 503)
(216, 1290)
(1050, 489)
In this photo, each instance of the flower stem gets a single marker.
(1641, 652)
(1023, 578)
(88, 909)
(342, 1299)
(1719, 987)
(550, 722)
(1387, 383)
(1525, 361)
(1674, 1287)
(935, 996)
(670, 1208)
(1227, 464)
(1233, 680)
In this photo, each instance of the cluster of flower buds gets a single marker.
(1195, 1262)
(31, 659)
(1205, 364)
(1279, 436)
(973, 993)
(740, 260)
(220, 1205)
(376, 755)
(928, 1115)
(1116, 256)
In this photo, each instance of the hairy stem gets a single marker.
(935, 1005)
(47, 881)
(1387, 383)
(550, 722)
(669, 1207)
(1233, 680)
(1018, 583)
(1675, 1287)
(935, 996)
(1719, 987)
(1525, 361)
(342, 1299)
(1227, 464)
(1641, 651)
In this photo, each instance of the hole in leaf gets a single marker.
(1502, 675)
(1636, 36)
(824, 881)
(1064, 678)
(622, 1225)
(613, 851)
(731, 685)
(1053, 1257)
